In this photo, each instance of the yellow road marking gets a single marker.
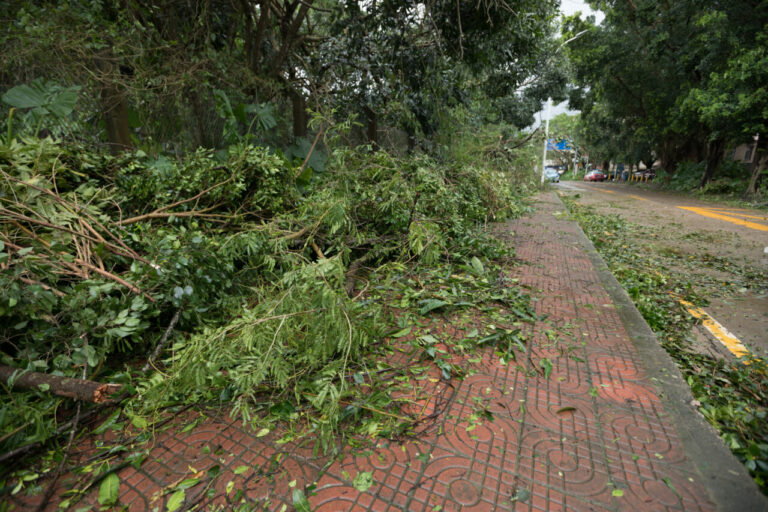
(607, 191)
(638, 197)
(722, 334)
(730, 208)
(744, 215)
(739, 222)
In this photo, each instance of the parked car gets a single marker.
(595, 176)
(644, 175)
(552, 174)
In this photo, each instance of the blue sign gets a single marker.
(562, 145)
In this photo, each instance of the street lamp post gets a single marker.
(549, 105)
(546, 140)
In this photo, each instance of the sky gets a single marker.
(568, 7)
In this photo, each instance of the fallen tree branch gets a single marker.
(57, 474)
(77, 211)
(318, 251)
(294, 236)
(22, 450)
(352, 273)
(161, 344)
(44, 286)
(311, 150)
(113, 277)
(162, 212)
(79, 389)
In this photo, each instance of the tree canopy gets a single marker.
(677, 80)
(165, 73)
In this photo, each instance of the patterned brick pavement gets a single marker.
(590, 436)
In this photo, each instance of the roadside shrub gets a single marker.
(686, 177)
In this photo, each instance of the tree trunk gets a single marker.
(715, 149)
(78, 389)
(692, 150)
(372, 127)
(199, 125)
(669, 156)
(115, 112)
(299, 114)
(758, 164)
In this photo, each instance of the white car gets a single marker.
(552, 175)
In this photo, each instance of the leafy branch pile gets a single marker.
(255, 274)
(733, 396)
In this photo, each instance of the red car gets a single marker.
(595, 176)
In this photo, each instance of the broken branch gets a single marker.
(78, 389)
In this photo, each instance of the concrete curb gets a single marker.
(727, 480)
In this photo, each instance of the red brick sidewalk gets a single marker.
(591, 435)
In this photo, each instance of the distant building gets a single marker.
(744, 153)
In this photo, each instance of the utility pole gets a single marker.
(546, 140)
(575, 160)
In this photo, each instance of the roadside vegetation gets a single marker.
(731, 395)
(731, 179)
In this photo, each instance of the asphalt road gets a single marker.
(736, 319)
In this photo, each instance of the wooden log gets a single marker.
(79, 389)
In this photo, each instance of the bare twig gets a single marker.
(163, 211)
(117, 279)
(44, 286)
(317, 250)
(161, 344)
(311, 150)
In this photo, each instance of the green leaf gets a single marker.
(428, 339)
(239, 470)
(546, 364)
(64, 102)
(300, 502)
(617, 492)
(565, 409)
(522, 495)
(176, 500)
(138, 421)
(402, 332)
(262, 432)
(363, 481)
(432, 304)
(477, 265)
(24, 96)
(109, 491)
(188, 484)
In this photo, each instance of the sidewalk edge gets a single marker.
(727, 480)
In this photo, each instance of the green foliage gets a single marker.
(237, 125)
(98, 253)
(729, 182)
(733, 396)
(44, 99)
(297, 341)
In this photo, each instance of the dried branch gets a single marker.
(78, 389)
